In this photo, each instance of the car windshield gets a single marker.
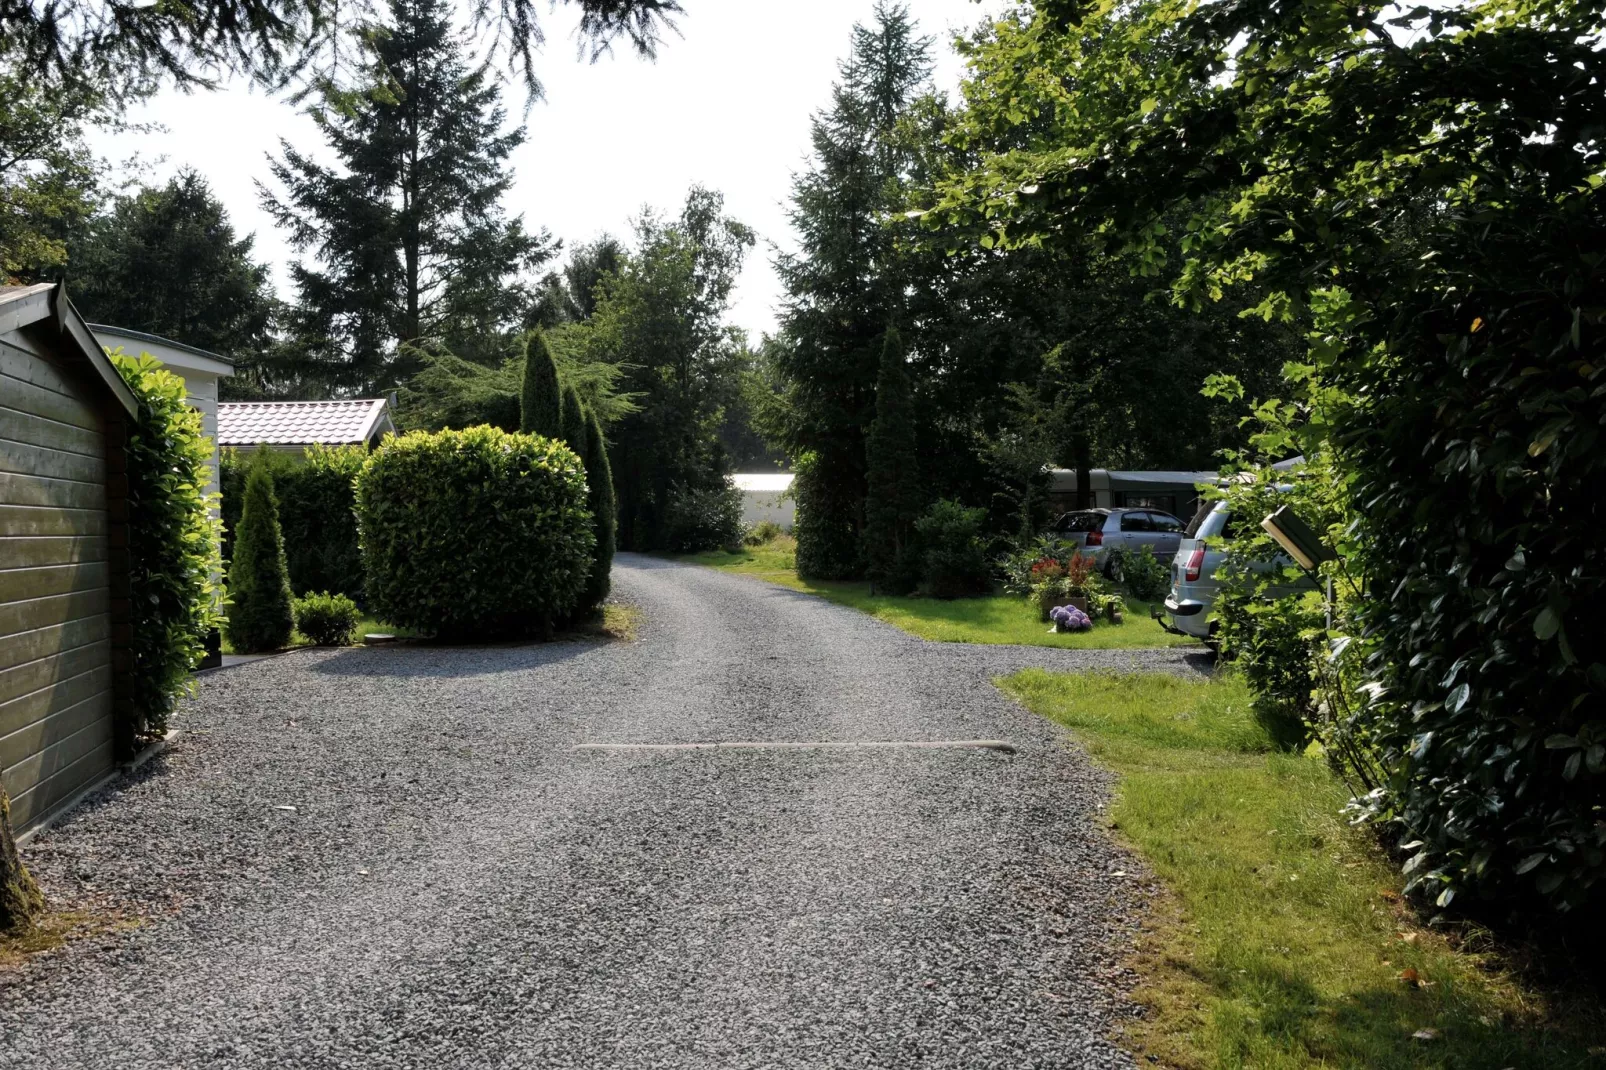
(1081, 522)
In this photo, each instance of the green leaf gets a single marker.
(1459, 697)
(1531, 862)
(1547, 623)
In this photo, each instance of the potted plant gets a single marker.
(1071, 583)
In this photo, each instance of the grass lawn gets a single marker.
(1286, 944)
(994, 619)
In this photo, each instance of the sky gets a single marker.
(726, 105)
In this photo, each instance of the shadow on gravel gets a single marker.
(419, 660)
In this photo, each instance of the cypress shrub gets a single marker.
(259, 583)
(540, 399)
(893, 470)
(172, 547)
(572, 421)
(825, 529)
(474, 533)
(600, 500)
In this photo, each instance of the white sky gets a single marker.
(726, 105)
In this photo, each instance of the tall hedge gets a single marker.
(604, 511)
(540, 397)
(474, 533)
(317, 513)
(826, 527)
(172, 546)
(259, 584)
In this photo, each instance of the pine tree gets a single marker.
(408, 236)
(540, 399)
(259, 582)
(20, 898)
(895, 495)
(572, 421)
(599, 480)
(846, 283)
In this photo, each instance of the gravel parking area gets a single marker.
(395, 857)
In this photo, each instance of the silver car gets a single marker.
(1194, 583)
(1097, 530)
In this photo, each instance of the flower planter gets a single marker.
(1049, 603)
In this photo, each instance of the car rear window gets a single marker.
(1204, 510)
(1215, 524)
(1081, 522)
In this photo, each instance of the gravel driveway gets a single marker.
(457, 886)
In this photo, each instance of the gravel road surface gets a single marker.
(396, 857)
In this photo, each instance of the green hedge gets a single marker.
(474, 533)
(317, 514)
(172, 545)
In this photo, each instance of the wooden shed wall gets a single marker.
(56, 657)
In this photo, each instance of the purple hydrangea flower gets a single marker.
(1070, 619)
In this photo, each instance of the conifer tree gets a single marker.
(604, 510)
(540, 399)
(847, 280)
(572, 421)
(408, 238)
(259, 582)
(894, 497)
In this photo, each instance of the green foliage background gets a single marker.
(317, 512)
(1420, 191)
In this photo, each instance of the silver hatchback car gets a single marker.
(1097, 530)
(1194, 584)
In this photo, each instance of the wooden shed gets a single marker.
(63, 554)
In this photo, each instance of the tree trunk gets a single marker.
(20, 899)
(1084, 473)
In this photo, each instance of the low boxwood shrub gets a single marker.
(474, 533)
(763, 533)
(326, 619)
(952, 553)
(259, 584)
(172, 545)
(703, 518)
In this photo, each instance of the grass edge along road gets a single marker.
(1283, 942)
(993, 619)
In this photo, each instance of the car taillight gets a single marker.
(1095, 538)
(1191, 570)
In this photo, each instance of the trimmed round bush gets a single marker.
(326, 619)
(468, 534)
